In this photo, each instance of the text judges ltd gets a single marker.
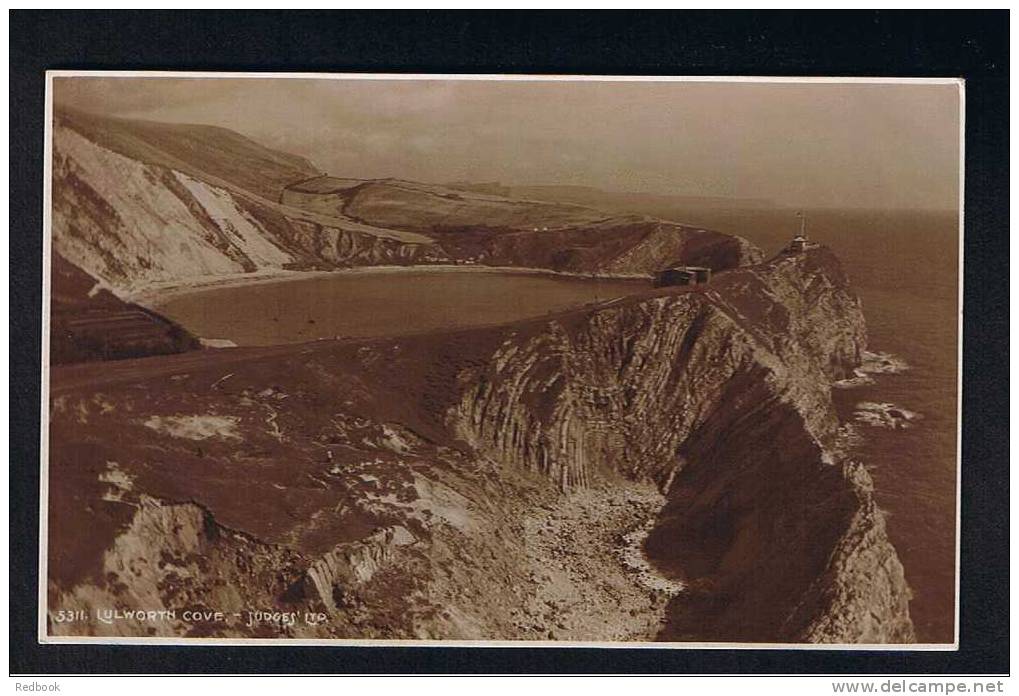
(249, 618)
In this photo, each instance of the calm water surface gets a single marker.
(903, 264)
(381, 304)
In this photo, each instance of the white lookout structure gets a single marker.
(800, 241)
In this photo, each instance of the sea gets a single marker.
(384, 303)
(905, 267)
(902, 417)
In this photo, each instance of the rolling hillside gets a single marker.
(136, 204)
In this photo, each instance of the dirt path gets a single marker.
(582, 588)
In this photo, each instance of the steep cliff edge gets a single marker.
(621, 387)
(130, 212)
(87, 322)
(478, 442)
(723, 398)
(464, 484)
(500, 231)
(138, 204)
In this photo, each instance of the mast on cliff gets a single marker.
(799, 242)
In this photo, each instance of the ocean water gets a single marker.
(381, 304)
(904, 265)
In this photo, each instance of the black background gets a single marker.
(972, 45)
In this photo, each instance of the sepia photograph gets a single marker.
(501, 360)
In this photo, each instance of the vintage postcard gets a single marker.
(501, 360)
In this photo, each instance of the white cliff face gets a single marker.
(106, 208)
(131, 224)
(241, 229)
(721, 397)
(135, 217)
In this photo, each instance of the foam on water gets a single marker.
(885, 415)
(874, 363)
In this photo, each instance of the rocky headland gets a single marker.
(664, 467)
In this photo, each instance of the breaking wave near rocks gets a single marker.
(874, 363)
(885, 415)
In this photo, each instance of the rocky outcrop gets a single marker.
(719, 395)
(862, 596)
(130, 223)
(622, 387)
(777, 538)
(355, 563)
(138, 203)
(171, 565)
(723, 398)
(87, 322)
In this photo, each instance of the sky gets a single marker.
(799, 145)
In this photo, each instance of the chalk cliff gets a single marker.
(134, 216)
(138, 203)
(455, 452)
(479, 483)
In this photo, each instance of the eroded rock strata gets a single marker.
(427, 486)
(138, 203)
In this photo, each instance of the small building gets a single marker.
(682, 275)
(703, 273)
(798, 244)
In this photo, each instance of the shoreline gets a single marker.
(156, 295)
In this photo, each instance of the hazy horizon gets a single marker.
(810, 145)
